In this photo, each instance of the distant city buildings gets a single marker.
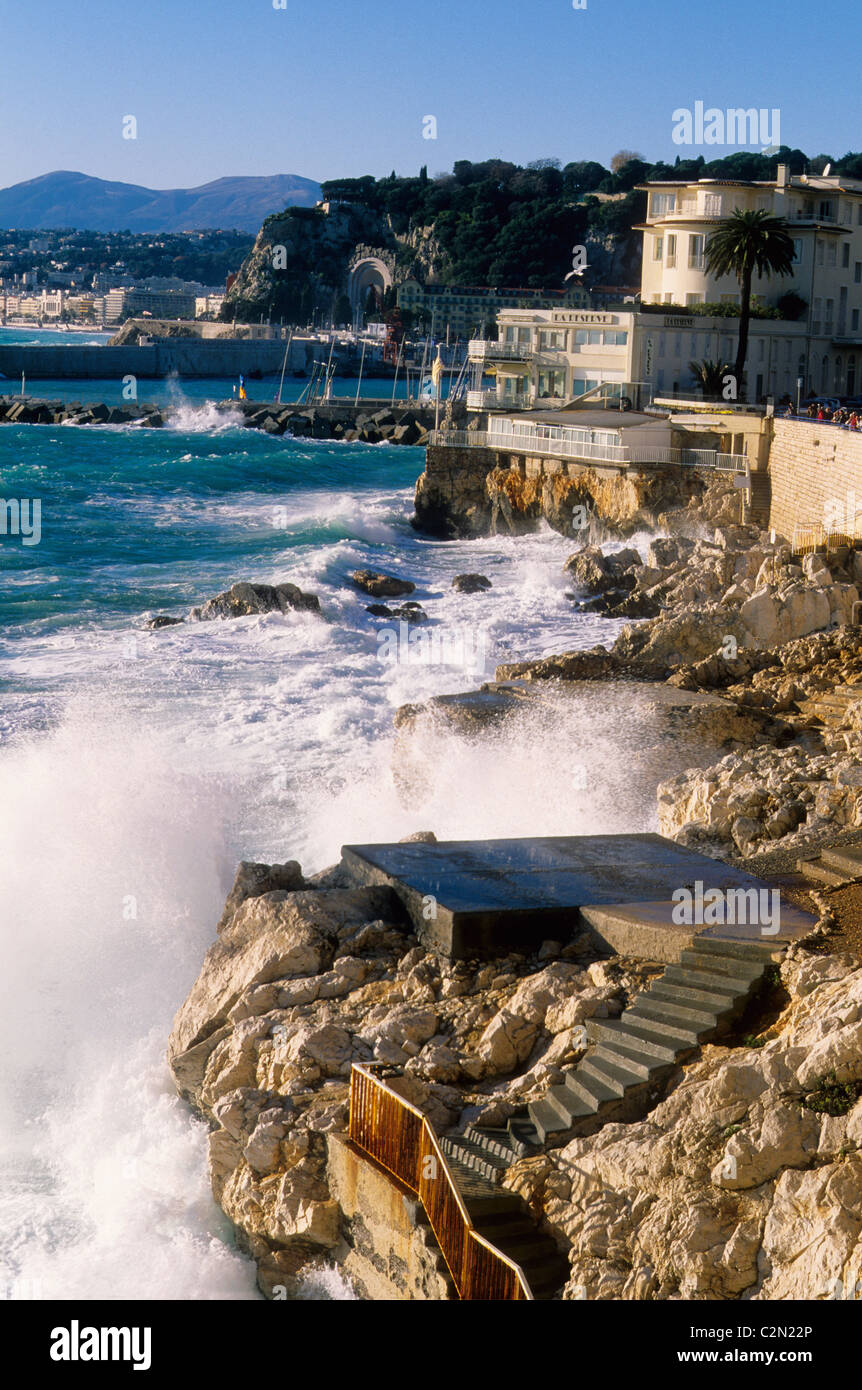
(462, 311)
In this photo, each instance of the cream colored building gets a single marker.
(543, 358)
(824, 213)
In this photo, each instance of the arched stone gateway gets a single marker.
(367, 273)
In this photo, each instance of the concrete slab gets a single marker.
(482, 898)
(649, 931)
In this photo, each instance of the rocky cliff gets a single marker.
(745, 1181)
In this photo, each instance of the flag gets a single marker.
(242, 394)
(437, 372)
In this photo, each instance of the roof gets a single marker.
(588, 419)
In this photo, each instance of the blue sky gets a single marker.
(326, 88)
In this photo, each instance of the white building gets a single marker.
(824, 215)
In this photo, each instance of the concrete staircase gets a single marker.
(833, 868)
(761, 497)
(504, 1219)
(623, 1076)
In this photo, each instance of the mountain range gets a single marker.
(68, 199)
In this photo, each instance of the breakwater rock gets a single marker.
(365, 423)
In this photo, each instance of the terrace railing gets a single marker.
(558, 445)
(400, 1138)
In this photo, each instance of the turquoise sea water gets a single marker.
(137, 768)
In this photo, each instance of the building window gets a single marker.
(797, 249)
(820, 253)
(826, 210)
(552, 383)
(671, 251)
(694, 299)
(695, 251)
(712, 205)
(854, 320)
(661, 203)
(657, 248)
(845, 254)
(830, 310)
(832, 258)
(677, 345)
(818, 310)
(729, 299)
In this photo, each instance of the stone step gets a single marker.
(847, 859)
(753, 952)
(583, 1089)
(635, 1036)
(640, 1064)
(547, 1119)
(494, 1201)
(507, 1226)
(665, 1012)
(611, 1072)
(721, 986)
(719, 1002)
(730, 966)
(495, 1142)
(568, 1105)
(818, 872)
(523, 1134)
(472, 1157)
(677, 1035)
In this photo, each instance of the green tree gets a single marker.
(747, 242)
(710, 377)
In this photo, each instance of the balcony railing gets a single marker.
(480, 351)
(554, 444)
(489, 400)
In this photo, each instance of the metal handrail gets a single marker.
(558, 447)
(390, 1150)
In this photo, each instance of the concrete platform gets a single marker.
(484, 898)
(648, 929)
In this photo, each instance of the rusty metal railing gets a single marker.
(400, 1138)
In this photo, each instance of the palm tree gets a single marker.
(709, 376)
(745, 242)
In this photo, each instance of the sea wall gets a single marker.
(816, 476)
(466, 491)
(387, 1249)
(190, 357)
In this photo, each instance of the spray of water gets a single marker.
(112, 872)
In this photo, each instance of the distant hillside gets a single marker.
(65, 199)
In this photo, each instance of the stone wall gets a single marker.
(816, 476)
(387, 1250)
